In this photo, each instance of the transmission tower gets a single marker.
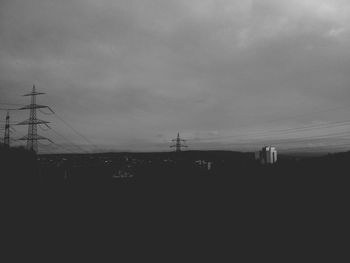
(7, 131)
(32, 137)
(178, 143)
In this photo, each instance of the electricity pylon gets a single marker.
(32, 137)
(178, 143)
(7, 131)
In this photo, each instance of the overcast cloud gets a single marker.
(130, 74)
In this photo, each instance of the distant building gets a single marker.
(267, 155)
(204, 164)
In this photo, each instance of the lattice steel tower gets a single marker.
(32, 137)
(7, 131)
(178, 143)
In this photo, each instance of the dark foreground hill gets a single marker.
(210, 205)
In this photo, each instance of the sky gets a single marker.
(226, 74)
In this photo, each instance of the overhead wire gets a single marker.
(67, 140)
(74, 130)
(278, 131)
(273, 132)
(305, 127)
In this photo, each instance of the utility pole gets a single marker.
(178, 143)
(32, 137)
(7, 131)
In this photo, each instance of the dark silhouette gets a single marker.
(175, 196)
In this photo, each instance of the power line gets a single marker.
(330, 146)
(60, 135)
(12, 104)
(39, 107)
(280, 131)
(309, 113)
(43, 129)
(331, 135)
(59, 147)
(46, 113)
(292, 140)
(45, 147)
(268, 132)
(49, 128)
(7, 109)
(284, 142)
(73, 129)
(69, 141)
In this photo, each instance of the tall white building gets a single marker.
(267, 155)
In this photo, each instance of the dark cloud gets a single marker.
(129, 70)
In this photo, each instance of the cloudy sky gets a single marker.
(130, 74)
